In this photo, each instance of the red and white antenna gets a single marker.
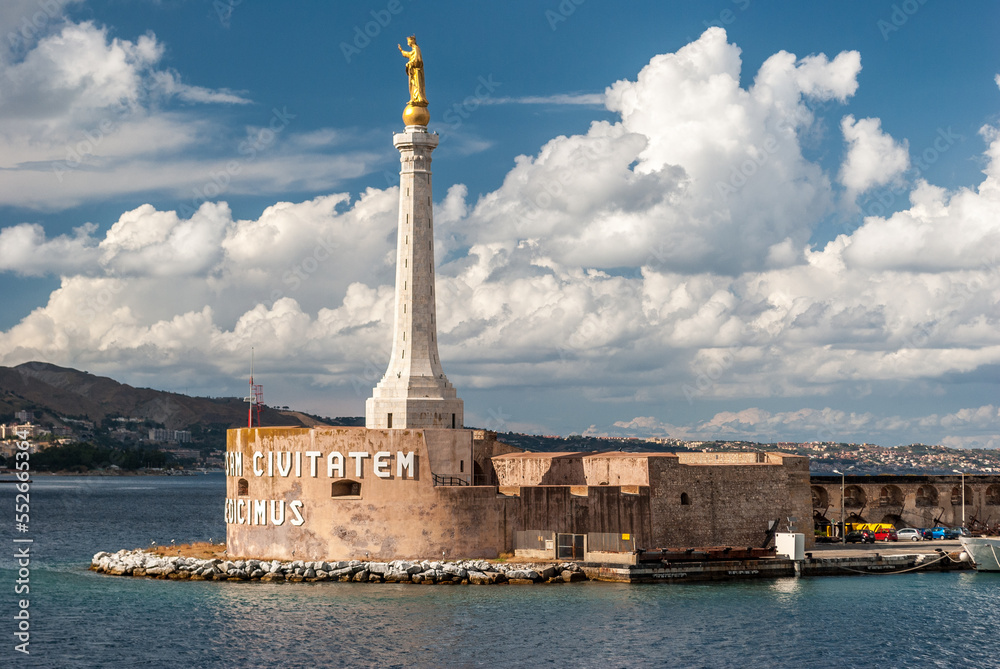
(256, 398)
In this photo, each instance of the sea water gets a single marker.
(82, 619)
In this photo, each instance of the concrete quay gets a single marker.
(821, 560)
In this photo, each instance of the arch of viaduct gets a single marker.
(907, 501)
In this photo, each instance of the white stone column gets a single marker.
(414, 392)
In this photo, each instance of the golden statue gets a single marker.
(415, 112)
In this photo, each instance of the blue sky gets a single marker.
(710, 220)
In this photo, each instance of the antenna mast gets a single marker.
(256, 398)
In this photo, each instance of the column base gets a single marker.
(411, 413)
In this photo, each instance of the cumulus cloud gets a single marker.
(699, 173)
(873, 157)
(659, 260)
(25, 250)
(825, 424)
(587, 99)
(86, 115)
(941, 230)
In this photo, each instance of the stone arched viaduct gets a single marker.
(907, 501)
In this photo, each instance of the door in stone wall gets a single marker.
(569, 546)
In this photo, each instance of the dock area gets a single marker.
(821, 560)
(210, 562)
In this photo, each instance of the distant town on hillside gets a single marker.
(83, 422)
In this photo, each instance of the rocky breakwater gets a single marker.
(425, 572)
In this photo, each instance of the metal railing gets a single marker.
(448, 480)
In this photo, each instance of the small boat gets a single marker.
(984, 552)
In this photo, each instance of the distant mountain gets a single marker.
(53, 392)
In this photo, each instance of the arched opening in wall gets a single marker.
(927, 495)
(854, 517)
(890, 495)
(478, 475)
(956, 496)
(894, 520)
(854, 497)
(821, 498)
(345, 488)
(821, 523)
(993, 495)
(242, 488)
(685, 500)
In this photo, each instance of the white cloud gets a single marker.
(628, 262)
(169, 84)
(86, 116)
(940, 231)
(586, 99)
(967, 428)
(700, 173)
(873, 157)
(25, 250)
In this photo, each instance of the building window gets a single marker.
(461, 466)
(242, 488)
(685, 500)
(389, 421)
(453, 415)
(345, 489)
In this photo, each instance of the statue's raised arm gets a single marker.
(414, 72)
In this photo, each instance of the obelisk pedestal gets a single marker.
(414, 392)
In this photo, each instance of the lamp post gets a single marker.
(843, 530)
(963, 495)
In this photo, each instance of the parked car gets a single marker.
(909, 534)
(886, 535)
(860, 536)
(936, 533)
(956, 532)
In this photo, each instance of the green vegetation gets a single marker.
(84, 457)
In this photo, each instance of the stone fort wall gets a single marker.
(354, 493)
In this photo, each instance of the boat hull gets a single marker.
(984, 552)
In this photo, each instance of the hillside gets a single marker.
(53, 392)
